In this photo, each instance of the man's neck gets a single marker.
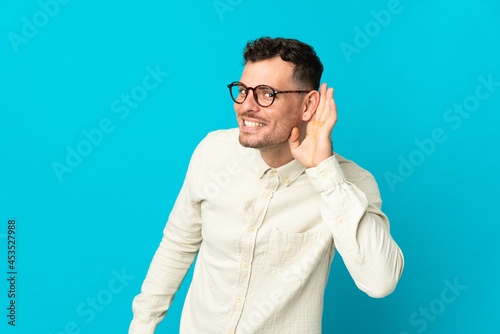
(277, 157)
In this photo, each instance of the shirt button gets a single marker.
(245, 265)
(273, 172)
(323, 175)
(259, 172)
(238, 299)
(229, 332)
(251, 229)
(340, 220)
(287, 181)
(266, 194)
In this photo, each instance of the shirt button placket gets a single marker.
(260, 210)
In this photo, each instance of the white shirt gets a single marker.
(265, 238)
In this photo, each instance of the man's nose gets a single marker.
(250, 104)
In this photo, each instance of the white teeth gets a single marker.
(252, 124)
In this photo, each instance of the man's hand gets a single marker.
(317, 143)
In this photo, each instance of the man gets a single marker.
(264, 207)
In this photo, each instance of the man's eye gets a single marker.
(269, 95)
(243, 91)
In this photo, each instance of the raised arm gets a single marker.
(351, 205)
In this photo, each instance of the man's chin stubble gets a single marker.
(262, 146)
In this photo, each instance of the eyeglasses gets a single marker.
(264, 95)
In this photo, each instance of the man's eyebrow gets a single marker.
(260, 84)
(274, 87)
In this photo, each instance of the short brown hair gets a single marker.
(308, 68)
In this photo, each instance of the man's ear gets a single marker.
(310, 105)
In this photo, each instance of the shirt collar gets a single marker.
(288, 173)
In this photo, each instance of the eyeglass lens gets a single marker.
(264, 95)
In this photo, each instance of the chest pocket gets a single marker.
(293, 257)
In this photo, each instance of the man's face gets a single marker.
(268, 128)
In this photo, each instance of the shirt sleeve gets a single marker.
(352, 211)
(171, 262)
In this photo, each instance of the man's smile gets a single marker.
(251, 124)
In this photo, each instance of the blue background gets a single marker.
(77, 232)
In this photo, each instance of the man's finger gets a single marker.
(322, 95)
(329, 94)
(293, 140)
(333, 109)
